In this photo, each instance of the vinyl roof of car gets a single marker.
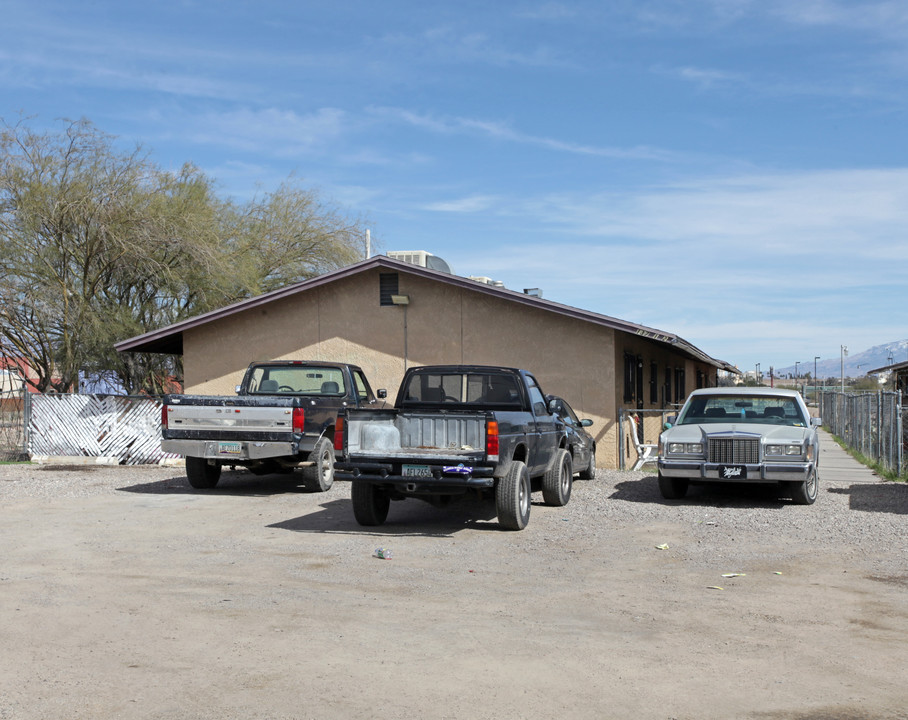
(777, 392)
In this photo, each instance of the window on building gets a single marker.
(630, 377)
(679, 385)
(667, 388)
(387, 286)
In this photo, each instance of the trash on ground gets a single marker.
(663, 546)
(714, 587)
(734, 574)
(777, 572)
(382, 554)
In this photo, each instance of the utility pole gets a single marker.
(844, 353)
(816, 386)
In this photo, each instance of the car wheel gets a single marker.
(673, 488)
(805, 493)
(589, 472)
(557, 482)
(512, 497)
(201, 474)
(370, 503)
(319, 476)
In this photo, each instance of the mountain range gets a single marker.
(856, 364)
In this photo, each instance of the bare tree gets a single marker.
(97, 245)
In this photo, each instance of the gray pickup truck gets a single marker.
(282, 417)
(454, 429)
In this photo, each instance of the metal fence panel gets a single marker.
(127, 428)
(869, 423)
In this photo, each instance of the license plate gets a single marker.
(416, 471)
(230, 448)
(732, 472)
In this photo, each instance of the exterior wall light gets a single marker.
(400, 299)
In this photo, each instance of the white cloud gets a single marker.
(767, 263)
(504, 132)
(472, 204)
(275, 132)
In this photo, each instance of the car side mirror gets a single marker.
(553, 406)
(816, 422)
(381, 394)
(237, 389)
(585, 423)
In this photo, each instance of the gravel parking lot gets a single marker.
(126, 594)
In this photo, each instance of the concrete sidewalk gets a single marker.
(836, 465)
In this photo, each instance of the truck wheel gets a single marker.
(557, 482)
(370, 503)
(589, 473)
(320, 476)
(201, 474)
(673, 488)
(512, 497)
(805, 493)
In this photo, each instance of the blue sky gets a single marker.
(732, 171)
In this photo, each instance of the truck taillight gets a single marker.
(492, 439)
(339, 435)
(164, 416)
(299, 419)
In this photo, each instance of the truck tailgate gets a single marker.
(413, 434)
(214, 419)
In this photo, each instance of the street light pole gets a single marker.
(757, 374)
(842, 370)
(816, 387)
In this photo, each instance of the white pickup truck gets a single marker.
(282, 417)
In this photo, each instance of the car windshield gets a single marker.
(765, 409)
(297, 380)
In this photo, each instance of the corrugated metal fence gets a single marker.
(109, 426)
(872, 424)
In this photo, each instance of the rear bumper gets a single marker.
(749, 472)
(238, 450)
(456, 476)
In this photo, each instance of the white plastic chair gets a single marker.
(646, 452)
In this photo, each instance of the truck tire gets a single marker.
(512, 497)
(673, 488)
(370, 503)
(558, 481)
(201, 474)
(320, 476)
(589, 472)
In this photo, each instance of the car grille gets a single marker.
(734, 450)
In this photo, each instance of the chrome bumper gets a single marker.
(753, 472)
(237, 451)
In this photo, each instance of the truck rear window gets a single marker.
(303, 380)
(484, 389)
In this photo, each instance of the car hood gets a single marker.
(771, 433)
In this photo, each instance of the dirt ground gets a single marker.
(126, 594)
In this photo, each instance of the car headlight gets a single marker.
(685, 448)
(784, 450)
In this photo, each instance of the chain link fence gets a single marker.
(14, 408)
(871, 423)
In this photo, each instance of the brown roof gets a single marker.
(170, 339)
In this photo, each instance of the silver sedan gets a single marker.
(743, 435)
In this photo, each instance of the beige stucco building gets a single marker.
(386, 315)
